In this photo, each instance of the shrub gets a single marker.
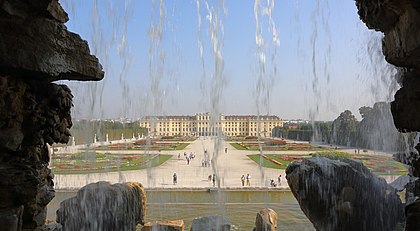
(167, 137)
(271, 142)
(334, 155)
(251, 137)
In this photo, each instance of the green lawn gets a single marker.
(182, 146)
(265, 163)
(237, 146)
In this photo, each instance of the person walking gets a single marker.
(248, 180)
(243, 180)
(279, 180)
(214, 180)
(175, 178)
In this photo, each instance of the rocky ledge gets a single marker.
(344, 195)
(36, 49)
(38, 44)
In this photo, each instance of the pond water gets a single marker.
(240, 206)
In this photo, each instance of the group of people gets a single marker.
(247, 178)
(188, 157)
(274, 184)
(212, 178)
(205, 163)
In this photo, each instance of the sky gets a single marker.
(316, 58)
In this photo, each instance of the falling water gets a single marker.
(267, 68)
(214, 12)
(116, 14)
(156, 68)
(210, 15)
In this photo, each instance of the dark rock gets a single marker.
(210, 223)
(11, 219)
(401, 43)
(405, 107)
(53, 226)
(177, 225)
(400, 183)
(36, 49)
(379, 15)
(412, 212)
(36, 27)
(28, 8)
(400, 22)
(43, 48)
(343, 195)
(25, 107)
(102, 206)
(266, 220)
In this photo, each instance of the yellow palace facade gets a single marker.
(203, 124)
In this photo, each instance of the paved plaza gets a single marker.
(228, 166)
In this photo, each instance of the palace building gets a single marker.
(203, 124)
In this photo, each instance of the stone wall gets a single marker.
(36, 49)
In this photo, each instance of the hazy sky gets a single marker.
(321, 67)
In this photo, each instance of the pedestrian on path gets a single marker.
(214, 180)
(248, 180)
(243, 180)
(279, 180)
(175, 178)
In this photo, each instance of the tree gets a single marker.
(323, 131)
(377, 130)
(344, 129)
(365, 111)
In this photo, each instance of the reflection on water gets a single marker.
(240, 206)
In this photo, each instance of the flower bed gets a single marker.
(377, 164)
(112, 163)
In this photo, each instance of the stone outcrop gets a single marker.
(405, 108)
(266, 220)
(32, 115)
(38, 44)
(36, 49)
(210, 223)
(177, 225)
(102, 206)
(399, 20)
(343, 195)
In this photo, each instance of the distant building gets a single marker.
(296, 122)
(203, 124)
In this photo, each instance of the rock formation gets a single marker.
(343, 195)
(177, 225)
(210, 223)
(266, 220)
(36, 49)
(102, 206)
(400, 23)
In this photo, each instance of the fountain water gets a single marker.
(266, 56)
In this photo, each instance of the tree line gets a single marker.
(84, 131)
(375, 131)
